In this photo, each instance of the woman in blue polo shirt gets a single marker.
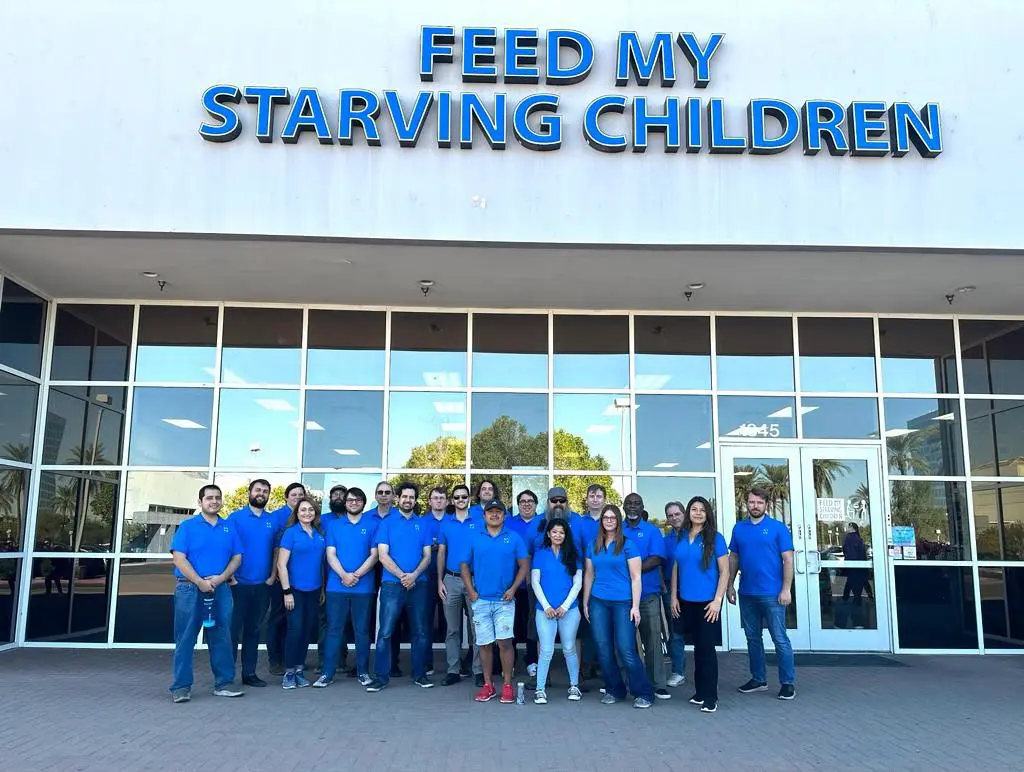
(556, 577)
(300, 562)
(611, 603)
(700, 576)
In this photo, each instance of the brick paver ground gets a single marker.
(109, 710)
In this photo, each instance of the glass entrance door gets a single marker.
(830, 499)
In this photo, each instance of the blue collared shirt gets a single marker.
(375, 513)
(525, 530)
(352, 543)
(494, 561)
(697, 583)
(306, 561)
(209, 548)
(671, 541)
(281, 516)
(405, 538)
(611, 572)
(456, 537)
(555, 579)
(649, 543)
(759, 548)
(259, 535)
(586, 526)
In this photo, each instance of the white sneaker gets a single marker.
(575, 694)
(540, 698)
(531, 670)
(676, 679)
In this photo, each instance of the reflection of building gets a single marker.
(155, 503)
(937, 443)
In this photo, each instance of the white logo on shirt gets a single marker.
(362, 531)
(764, 532)
(269, 524)
(226, 529)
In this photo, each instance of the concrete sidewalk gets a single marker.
(109, 710)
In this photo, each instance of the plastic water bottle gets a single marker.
(208, 620)
(520, 693)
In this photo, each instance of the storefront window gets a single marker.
(429, 350)
(76, 512)
(22, 321)
(171, 427)
(510, 431)
(343, 429)
(145, 601)
(937, 511)
(673, 433)
(922, 437)
(91, 342)
(591, 352)
(659, 491)
(10, 573)
(427, 430)
(155, 505)
(17, 417)
(592, 431)
(935, 607)
(993, 356)
(510, 351)
(999, 520)
(1002, 607)
(755, 353)
(672, 352)
(995, 437)
(84, 426)
(177, 344)
(918, 356)
(13, 508)
(69, 600)
(836, 354)
(346, 348)
(258, 428)
(261, 345)
(757, 417)
(840, 418)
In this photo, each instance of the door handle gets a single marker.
(796, 562)
(816, 569)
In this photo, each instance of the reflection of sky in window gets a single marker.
(175, 364)
(840, 418)
(260, 365)
(755, 373)
(591, 371)
(171, 427)
(258, 427)
(510, 371)
(743, 416)
(672, 371)
(320, 484)
(345, 367)
(837, 373)
(673, 432)
(439, 369)
(658, 491)
(343, 428)
(531, 410)
(601, 420)
(909, 413)
(419, 418)
(913, 376)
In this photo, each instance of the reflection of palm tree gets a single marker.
(65, 503)
(13, 494)
(825, 471)
(861, 498)
(904, 454)
(775, 481)
(744, 478)
(90, 456)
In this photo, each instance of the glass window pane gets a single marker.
(672, 352)
(429, 350)
(13, 508)
(937, 511)
(836, 354)
(171, 427)
(69, 600)
(258, 428)
(427, 430)
(995, 437)
(673, 432)
(592, 431)
(755, 353)
(22, 321)
(840, 418)
(76, 512)
(935, 607)
(344, 429)
(923, 436)
(659, 491)
(145, 601)
(10, 572)
(510, 431)
(346, 348)
(84, 425)
(155, 504)
(999, 520)
(591, 352)
(993, 356)
(510, 350)
(758, 417)
(1002, 607)
(91, 343)
(177, 343)
(261, 345)
(319, 484)
(17, 417)
(918, 355)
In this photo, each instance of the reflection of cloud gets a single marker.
(459, 428)
(599, 429)
(275, 404)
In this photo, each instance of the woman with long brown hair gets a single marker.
(611, 603)
(300, 566)
(700, 576)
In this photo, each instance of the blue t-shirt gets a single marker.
(695, 582)
(671, 542)
(405, 538)
(611, 572)
(306, 561)
(456, 537)
(352, 543)
(760, 549)
(259, 535)
(494, 561)
(209, 548)
(555, 579)
(649, 543)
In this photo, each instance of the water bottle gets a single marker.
(520, 693)
(208, 620)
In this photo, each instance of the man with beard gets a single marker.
(257, 530)
(336, 509)
(434, 518)
(456, 533)
(276, 619)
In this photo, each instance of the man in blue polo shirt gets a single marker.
(676, 643)
(276, 619)
(651, 545)
(584, 529)
(761, 550)
(493, 570)
(524, 524)
(453, 542)
(385, 501)
(403, 548)
(206, 552)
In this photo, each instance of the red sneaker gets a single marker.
(507, 694)
(486, 694)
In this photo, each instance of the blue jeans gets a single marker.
(250, 607)
(615, 633)
(340, 607)
(188, 621)
(676, 643)
(301, 623)
(394, 598)
(566, 628)
(756, 613)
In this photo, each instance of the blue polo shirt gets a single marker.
(493, 560)
(327, 518)
(209, 548)
(577, 536)
(649, 543)
(405, 538)
(259, 535)
(555, 579)
(759, 548)
(375, 513)
(456, 537)
(611, 573)
(697, 583)
(352, 543)
(527, 531)
(306, 561)
(477, 511)
(586, 526)
(434, 531)
(671, 542)
(281, 515)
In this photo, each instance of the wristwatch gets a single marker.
(286, 590)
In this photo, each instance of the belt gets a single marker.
(183, 579)
(456, 574)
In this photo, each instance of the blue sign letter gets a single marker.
(823, 121)
(408, 130)
(521, 56)
(906, 127)
(474, 111)
(694, 126)
(631, 58)
(592, 132)
(578, 42)
(667, 124)
(549, 137)
(720, 143)
(700, 58)
(307, 114)
(230, 126)
(436, 45)
(865, 126)
(356, 105)
(478, 55)
(757, 111)
(265, 97)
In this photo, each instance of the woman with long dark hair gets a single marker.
(700, 576)
(300, 566)
(611, 603)
(556, 577)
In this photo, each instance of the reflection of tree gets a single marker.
(13, 496)
(861, 498)
(914, 502)
(825, 471)
(1011, 547)
(904, 453)
(239, 498)
(93, 455)
(775, 481)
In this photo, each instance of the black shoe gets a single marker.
(253, 680)
(753, 686)
(396, 672)
(277, 670)
(709, 707)
(695, 700)
(478, 680)
(662, 694)
(451, 679)
(351, 673)
(787, 692)
(376, 685)
(424, 683)
(585, 689)
(466, 671)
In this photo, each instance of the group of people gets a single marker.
(605, 576)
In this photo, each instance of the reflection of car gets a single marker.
(831, 553)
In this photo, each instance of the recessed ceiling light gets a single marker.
(666, 465)
(183, 423)
(151, 274)
(965, 289)
(696, 285)
(346, 451)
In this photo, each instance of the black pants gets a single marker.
(250, 607)
(524, 626)
(276, 626)
(705, 636)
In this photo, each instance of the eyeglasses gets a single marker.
(384, 493)
(559, 501)
(353, 501)
(610, 518)
(521, 502)
(460, 498)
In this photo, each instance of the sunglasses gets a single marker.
(559, 501)
(384, 493)
(460, 498)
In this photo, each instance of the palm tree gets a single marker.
(826, 471)
(744, 477)
(861, 497)
(775, 481)
(904, 454)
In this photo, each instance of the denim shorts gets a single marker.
(493, 620)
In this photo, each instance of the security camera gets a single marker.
(688, 295)
(949, 298)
